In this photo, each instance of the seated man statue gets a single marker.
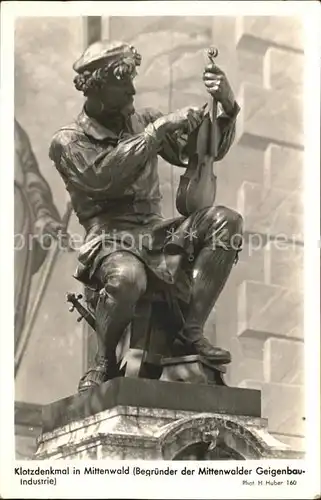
(107, 159)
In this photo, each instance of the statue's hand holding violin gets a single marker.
(218, 86)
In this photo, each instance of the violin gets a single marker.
(74, 299)
(197, 186)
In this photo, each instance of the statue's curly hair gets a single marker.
(91, 81)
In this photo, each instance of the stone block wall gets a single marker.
(259, 315)
(266, 289)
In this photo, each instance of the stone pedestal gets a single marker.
(128, 418)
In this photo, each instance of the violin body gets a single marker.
(197, 186)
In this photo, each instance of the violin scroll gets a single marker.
(212, 53)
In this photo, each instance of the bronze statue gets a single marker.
(108, 161)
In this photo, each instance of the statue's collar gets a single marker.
(93, 128)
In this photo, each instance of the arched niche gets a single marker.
(200, 451)
(218, 437)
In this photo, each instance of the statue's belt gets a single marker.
(138, 207)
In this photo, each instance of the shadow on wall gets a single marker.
(45, 99)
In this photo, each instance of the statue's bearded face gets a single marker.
(117, 95)
(111, 85)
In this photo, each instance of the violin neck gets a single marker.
(212, 132)
(84, 313)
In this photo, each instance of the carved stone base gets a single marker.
(155, 420)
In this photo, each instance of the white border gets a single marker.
(310, 12)
(311, 235)
(155, 8)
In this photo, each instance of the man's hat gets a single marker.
(103, 54)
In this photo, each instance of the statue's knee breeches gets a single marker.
(218, 215)
(122, 274)
(216, 226)
(224, 227)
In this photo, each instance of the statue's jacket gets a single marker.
(114, 187)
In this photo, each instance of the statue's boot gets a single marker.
(210, 273)
(96, 375)
(125, 282)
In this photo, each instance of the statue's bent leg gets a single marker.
(123, 280)
(218, 242)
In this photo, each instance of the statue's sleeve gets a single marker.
(99, 171)
(174, 146)
(36, 187)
